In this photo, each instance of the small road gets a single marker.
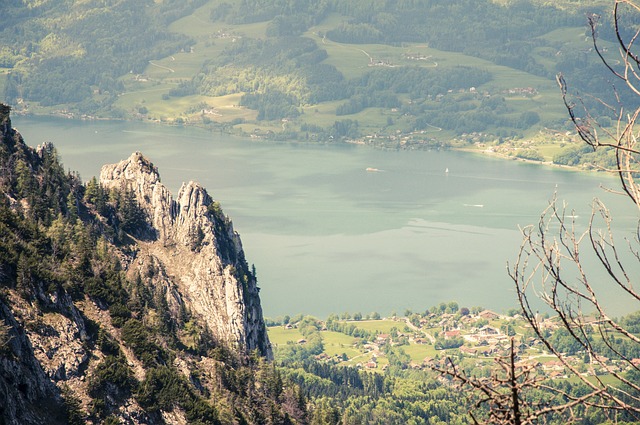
(162, 67)
(417, 329)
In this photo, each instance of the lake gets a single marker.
(335, 228)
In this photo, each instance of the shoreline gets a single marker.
(361, 141)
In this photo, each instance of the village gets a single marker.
(473, 339)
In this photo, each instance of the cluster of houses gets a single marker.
(417, 56)
(481, 336)
(521, 91)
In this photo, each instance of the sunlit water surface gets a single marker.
(327, 235)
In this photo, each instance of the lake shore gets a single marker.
(480, 149)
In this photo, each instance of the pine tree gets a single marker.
(91, 191)
(72, 208)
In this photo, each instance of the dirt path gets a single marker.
(417, 329)
(162, 67)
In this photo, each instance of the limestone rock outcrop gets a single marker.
(201, 257)
(80, 341)
(26, 392)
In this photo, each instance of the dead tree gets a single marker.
(505, 397)
(551, 271)
(551, 264)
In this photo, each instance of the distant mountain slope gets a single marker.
(120, 305)
(409, 72)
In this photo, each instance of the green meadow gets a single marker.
(325, 72)
(352, 60)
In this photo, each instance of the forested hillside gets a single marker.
(85, 337)
(406, 73)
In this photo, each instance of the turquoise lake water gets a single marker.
(327, 235)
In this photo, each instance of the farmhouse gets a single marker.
(488, 315)
(452, 334)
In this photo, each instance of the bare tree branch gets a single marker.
(554, 269)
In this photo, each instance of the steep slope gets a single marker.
(200, 253)
(119, 304)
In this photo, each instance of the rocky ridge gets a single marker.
(80, 343)
(199, 252)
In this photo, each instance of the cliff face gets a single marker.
(101, 319)
(28, 394)
(199, 252)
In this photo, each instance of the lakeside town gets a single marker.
(475, 338)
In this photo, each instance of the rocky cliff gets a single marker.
(200, 254)
(120, 304)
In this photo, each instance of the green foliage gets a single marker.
(530, 154)
(631, 322)
(107, 344)
(110, 383)
(345, 129)
(339, 382)
(309, 326)
(164, 388)
(119, 314)
(350, 329)
(272, 105)
(585, 156)
(107, 285)
(133, 218)
(346, 395)
(94, 48)
(75, 416)
(72, 252)
(140, 340)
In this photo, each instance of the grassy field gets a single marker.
(146, 96)
(418, 352)
(336, 343)
(278, 335)
(381, 326)
(163, 74)
(353, 60)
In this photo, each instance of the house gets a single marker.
(468, 350)
(428, 361)
(529, 364)
(488, 330)
(554, 365)
(452, 334)
(488, 315)
(382, 338)
(557, 375)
